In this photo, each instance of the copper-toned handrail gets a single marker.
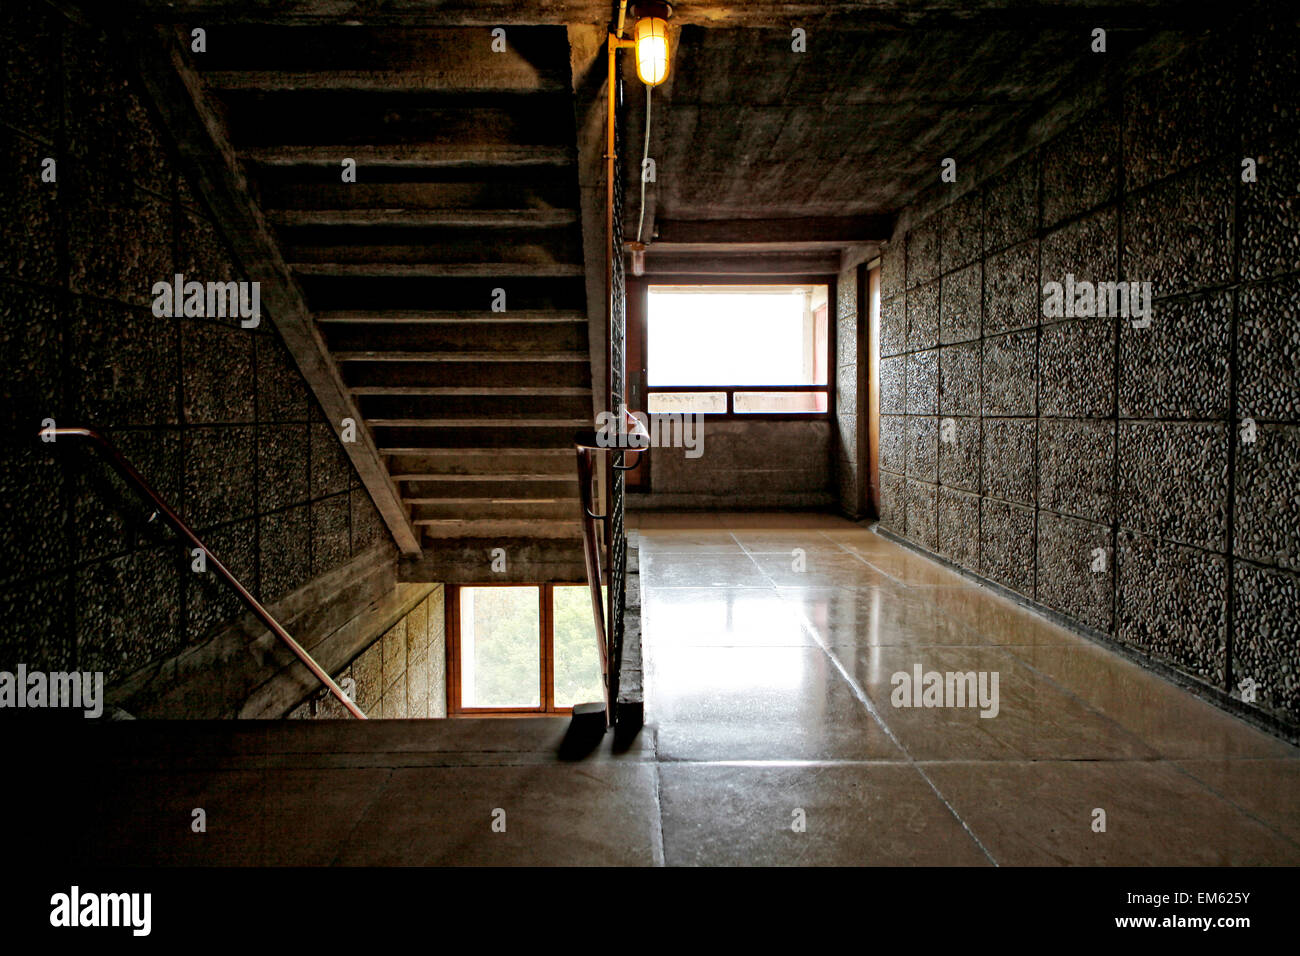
(133, 477)
(586, 444)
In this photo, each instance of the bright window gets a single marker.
(704, 341)
(522, 648)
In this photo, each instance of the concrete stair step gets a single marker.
(436, 528)
(454, 270)
(448, 293)
(461, 356)
(401, 439)
(499, 372)
(491, 488)
(478, 509)
(471, 407)
(506, 337)
(496, 464)
(468, 317)
(410, 155)
(542, 251)
(243, 56)
(375, 218)
(277, 118)
(440, 189)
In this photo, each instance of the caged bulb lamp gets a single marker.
(650, 36)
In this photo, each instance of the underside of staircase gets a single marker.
(447, 281)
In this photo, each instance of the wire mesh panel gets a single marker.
(617, 560)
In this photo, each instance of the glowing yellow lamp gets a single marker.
(651, 38)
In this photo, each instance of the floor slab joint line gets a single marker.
(875, 715)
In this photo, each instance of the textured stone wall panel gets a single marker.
(1011, 204)
(1081, 166)
(1265, 647)
(1007, 545)
(922, 514)
(1011, 289)
(31, 337)
(1008, 459)
(1076, 468)
(284, 564)
(1068, 551)
(923, 252)
(893, 326)
(893, 443)
(128, 610)
(959, 379)
(1076, 368)
(1178, 233)
(1086, 249)
(331, 543)
(217, 388)
(962, 240)
(893, 385)
(1009, 374)
(1178, 366)
(1268, 351)
(283, 465)
(119, 242)
(124, 360)
(959, 315)
(1266, 522)
(893, 502)
(958, 529)
(1171, 604)
(923, 448)
(33, 537)
(220, 474)
(108, 125)
(1173, 481)
(959, 459)
(846, 318)
(367, 526)
(923, 316)
(923, 382)
(1270, 208)
(1180, 115)
(282, 394)
(31, 252)
(893, 268)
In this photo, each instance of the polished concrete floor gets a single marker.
(771, 643)
(771, 738)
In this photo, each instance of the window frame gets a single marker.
(546, 619)
(638, 315)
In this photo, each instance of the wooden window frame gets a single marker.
(638, 326)
(546, 615)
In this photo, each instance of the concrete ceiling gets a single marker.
(851, 127)
(749, 135)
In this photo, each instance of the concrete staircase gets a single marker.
(465, 203)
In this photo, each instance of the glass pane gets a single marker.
(577, 659)
(500, 647)
(737, 335)
(790, 402)
(711, 403)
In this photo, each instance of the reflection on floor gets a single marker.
(772, 645)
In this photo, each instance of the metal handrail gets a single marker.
(133, 477)
(586, 444)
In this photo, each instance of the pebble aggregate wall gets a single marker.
(402, 675)
(1104, 471)
(215, 416)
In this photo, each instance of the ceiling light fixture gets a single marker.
(651, 38)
